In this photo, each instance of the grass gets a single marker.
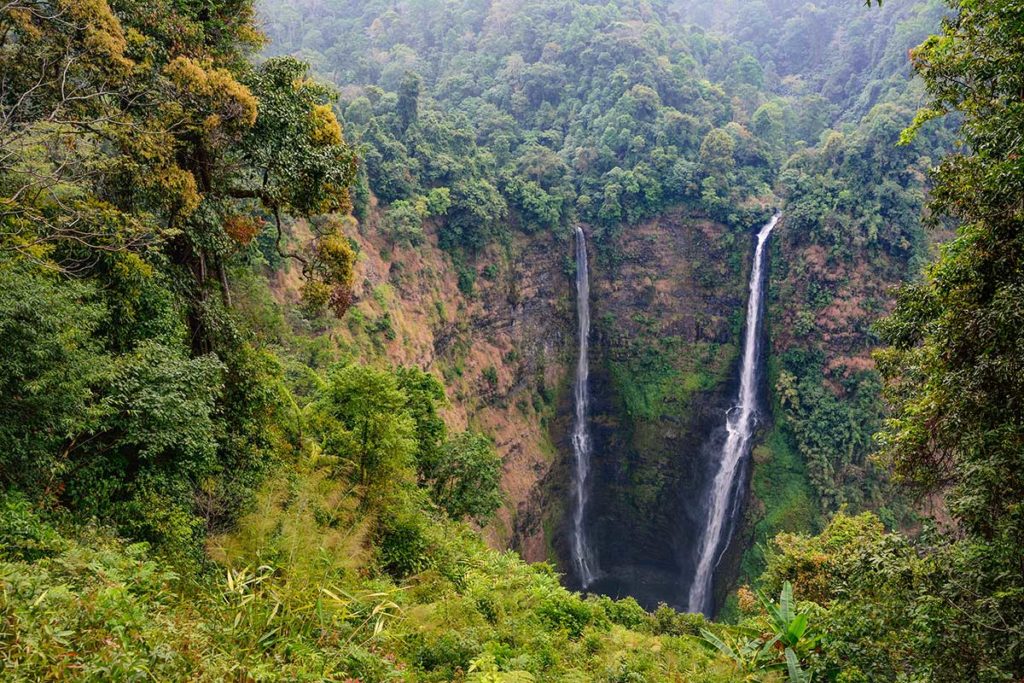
(295, 593)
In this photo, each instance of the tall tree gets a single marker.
(955, 367)
(140, 151)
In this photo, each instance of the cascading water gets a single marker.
(739, 428)
(582, 554)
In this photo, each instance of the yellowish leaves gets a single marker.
(338, 259)
(129, 266)
(187, 74)
(315, 295)
(336, 199)
(237, 102)
(247, 34)
(332, 270)
(326, 129)
(178, 190)
(104, 36)
(226, 103)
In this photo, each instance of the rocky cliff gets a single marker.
(667, 303)
(667, 308)
(503, 350)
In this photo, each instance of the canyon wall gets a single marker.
(503, 351)
(667, 309)
(667, 306)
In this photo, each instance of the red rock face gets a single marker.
(667, 301)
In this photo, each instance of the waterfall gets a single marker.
(739, 424)
(582, 554)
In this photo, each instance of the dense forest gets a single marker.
(287, 320)
(478, 120)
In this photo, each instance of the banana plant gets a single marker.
(751, 654)
(756, 654)
(791, 631)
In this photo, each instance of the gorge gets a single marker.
(669, 552)
(479, 175)
(466, 341)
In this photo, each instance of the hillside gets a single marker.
(665, 128)
(520, 340)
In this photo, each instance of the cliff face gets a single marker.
(667, 302)
(503, 351)
(666, 312)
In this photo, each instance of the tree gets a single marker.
(475, 216)
(716, 152)
(409, 100)
(954, 368)
(295, 160)
(424, 394)
(141, 154)
(48, 372)
(466, 479)
(361, 416)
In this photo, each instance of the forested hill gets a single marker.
(853, 59)
(601, 112)
(484, 121)
(548, 112)
(285, 349)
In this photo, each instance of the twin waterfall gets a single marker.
(722, 501)
(739, 424)
(582, 554)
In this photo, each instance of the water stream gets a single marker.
(582, 553)
(722, 502)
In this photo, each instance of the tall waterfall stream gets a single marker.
(582, 553)
(723, 496)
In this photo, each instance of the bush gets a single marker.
(566, 611)
(402, 543)
(626, 612)
(24, 536)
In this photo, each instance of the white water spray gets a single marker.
(582, 554)
(739, 424)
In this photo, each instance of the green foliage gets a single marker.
(95, 609)
(511, 135)
(360, 417)
(788, 640)
(791, 631)
(131, 392)
(143, 156)
(780, 484)
(298, 159)
(563, 611)
(156, 436)
(868, 581)
(660, 377)
(23, 536)
(123, 436)
(403, 547)
(77, 603)
(832, 433)
(953, 368)
(424, 393)
(47, 373)
(466, 479)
